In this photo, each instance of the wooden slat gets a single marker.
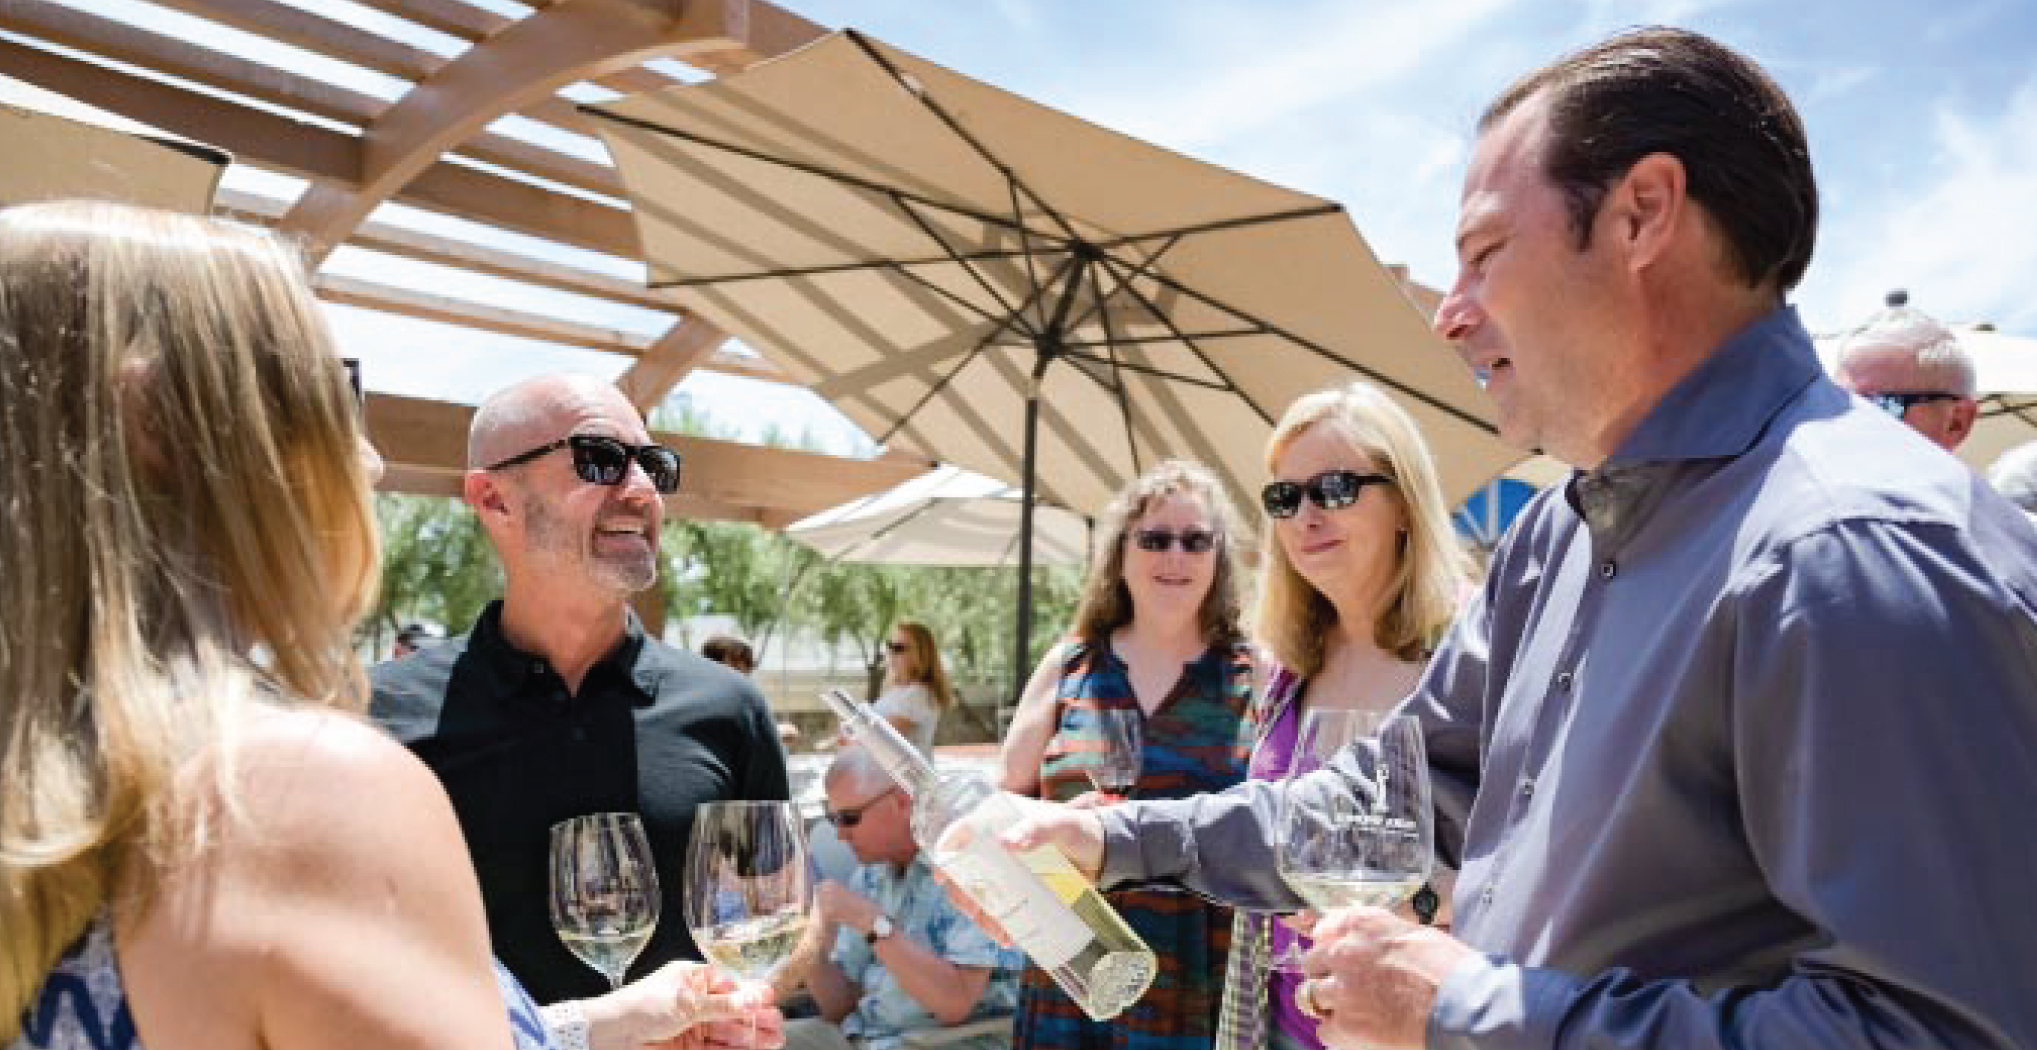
(421, 440)
(667, 361)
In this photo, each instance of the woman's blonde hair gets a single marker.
(926, 662)
(1106, 603)
(187, 533)
(1293, 618)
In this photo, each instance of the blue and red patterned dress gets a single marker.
(1196, 740)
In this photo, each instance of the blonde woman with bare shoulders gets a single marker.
(202, 846)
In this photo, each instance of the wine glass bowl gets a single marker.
(604, 890)
(1114, 770)
(749, 886)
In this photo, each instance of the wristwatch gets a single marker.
(878, 930)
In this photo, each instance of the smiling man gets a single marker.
(1735, 748)
(557, 704)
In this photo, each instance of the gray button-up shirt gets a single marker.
(1738, 746)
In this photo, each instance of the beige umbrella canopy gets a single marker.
(58, 147)
(945, 517)
(1007, 287)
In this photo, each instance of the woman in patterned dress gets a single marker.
(1157, 634)
(202, 845)
(1361, 576)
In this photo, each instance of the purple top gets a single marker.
(1269, 762)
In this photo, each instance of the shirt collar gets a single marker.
(1724, 404)
(513, 668)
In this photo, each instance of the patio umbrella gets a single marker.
(1004, 286)
(945, 517)
(59, 147)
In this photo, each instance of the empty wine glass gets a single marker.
(1337, 848)
(1115, 769)
(748, 885)
(604, 891)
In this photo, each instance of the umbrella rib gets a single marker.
(832, 268)
(1221, 225)
(1124, 284)
(1154, 307)
(844, 178)
(1118, 383)
(1157, 373)
(905, 418)
(982, 281)
(1373, 374)
(1025, 236)
(917, 90)
(1134, 340)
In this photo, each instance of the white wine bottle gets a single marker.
(1046, 906)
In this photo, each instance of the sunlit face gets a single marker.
(874, 822)
(1530, 313)
(606, 535)
(1354, 547)
(1174, 578)
(898, 657)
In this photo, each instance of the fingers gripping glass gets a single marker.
(1160, 541)
(749, 887)
(601, 460)
(1330, 490)
(1899, 402)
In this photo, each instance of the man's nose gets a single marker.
(1456, 316)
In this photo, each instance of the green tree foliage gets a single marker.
(437, 565)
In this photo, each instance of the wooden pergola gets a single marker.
(431, 148)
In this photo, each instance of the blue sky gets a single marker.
(1923, 125)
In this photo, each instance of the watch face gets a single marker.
(879, 929)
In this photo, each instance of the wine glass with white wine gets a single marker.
(1335, 848)
(749, 887)
(604, 890)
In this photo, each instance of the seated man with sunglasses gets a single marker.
(557, 704)
(1913, 368)
(892, 963)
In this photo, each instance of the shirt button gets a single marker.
(1563, 680)
(537, 667)
(1608, 569)
(1485, 895)
(1528, 788)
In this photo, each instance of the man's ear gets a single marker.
(484, 492)
(1648, 206)
(1959, 422)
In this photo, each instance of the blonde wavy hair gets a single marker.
(1106, 603)
(926, 663)
(1293, 618)
(188, 535)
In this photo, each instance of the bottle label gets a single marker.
(1036, 920)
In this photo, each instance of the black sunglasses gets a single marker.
(1898, 402)
(1330, 490)
(849, 818)
(605, 461)
(1159, 541)
(353, 367)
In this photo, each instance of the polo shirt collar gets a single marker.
(512, 669)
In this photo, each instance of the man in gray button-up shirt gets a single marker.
(1738, 747)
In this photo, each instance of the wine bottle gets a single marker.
(1044, 904)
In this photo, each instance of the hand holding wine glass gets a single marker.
(748, 885)
(604, 890)
(1337, 848)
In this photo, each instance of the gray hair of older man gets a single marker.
(2014, 475)
(1936, 349)
(854, 767)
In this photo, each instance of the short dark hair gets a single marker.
(1661, 90)
(730, 650)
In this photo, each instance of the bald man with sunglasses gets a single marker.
(557, 704)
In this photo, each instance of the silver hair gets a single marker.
(855, 766)
(1934, 347)
(2014, 475)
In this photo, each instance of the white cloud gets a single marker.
(1960, 233)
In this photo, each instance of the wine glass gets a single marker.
(748, 885)
(604, 890)
(1336, 848)
(1115, 770)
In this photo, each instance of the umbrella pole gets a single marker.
(1020, 670)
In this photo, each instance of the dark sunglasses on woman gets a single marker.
(1330, 490)
(1160, 541)
(599, 460)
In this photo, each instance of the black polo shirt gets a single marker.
(654, 730)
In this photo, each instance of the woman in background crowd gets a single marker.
(916, 690)
(1156, 634)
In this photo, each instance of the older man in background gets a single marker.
(1913, 368)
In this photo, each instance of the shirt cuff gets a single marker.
(1487, 1003)
(1154, 847)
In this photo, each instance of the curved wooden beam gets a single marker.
(530, 60)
